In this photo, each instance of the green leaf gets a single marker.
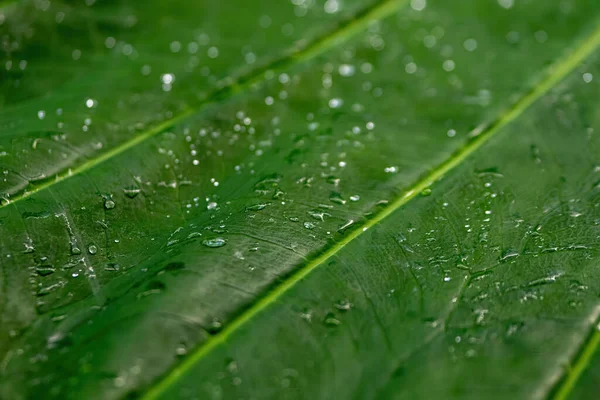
(307, 199)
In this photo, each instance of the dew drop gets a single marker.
(92, 249)
(214, 242)
(336, 103)
(346, 70)
(309, 225)
(331, 321)
(131, 192)
(45, 270)
(257, 207)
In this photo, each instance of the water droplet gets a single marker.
(257, 207)
(214, 242)
(309, 225)
(318, 215)
(470, 44)
(418, 5)
(45, 270)
(343, 305)
(131, 192)
(336, 103)
(336, 197)
(426, 192)
(331, 321)
(109, 204)
(212, 206)
(215, 326)
(167, 79)
(346, 70)
(92, 249)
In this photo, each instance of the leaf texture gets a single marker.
(299, 200)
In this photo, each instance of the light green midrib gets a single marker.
(552, 76)
(584, 357)
(294, 55)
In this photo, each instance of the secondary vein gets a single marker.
(298, 53)
(550, 78)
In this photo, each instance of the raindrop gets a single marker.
(336, 103)
(131, 192)
(331, 320)
(418, 5)
(92, 249)
(309, 225)
(470, 44)
(257, 207)
(45, 270)
(346, 70)
(214, 242)
(337, 198)
(109, 204)
(426, 192)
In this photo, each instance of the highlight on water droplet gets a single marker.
(214, 242)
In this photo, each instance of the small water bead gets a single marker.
(212, 206)
(336, 103)
(587, 77)
(167, 79)
(90, 103)
(213, 52)
(451, 133)
(214, 326)
(45, 270)
(506, 3)
(331, 6)
(131, 192)
(257, 207)
(109, 204)
(331, 321)
(175, 46)
(429, 41)
(214, 242)
(346, 70)
(92, 249)
(448, 65)
(41, 114)
(470, 44)
(418, 5)
(411, 68)
(309, 225)
(355, 197)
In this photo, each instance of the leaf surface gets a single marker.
(208, 223)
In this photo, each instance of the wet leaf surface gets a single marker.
(305, 199)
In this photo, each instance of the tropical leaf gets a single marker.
(305, 199)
